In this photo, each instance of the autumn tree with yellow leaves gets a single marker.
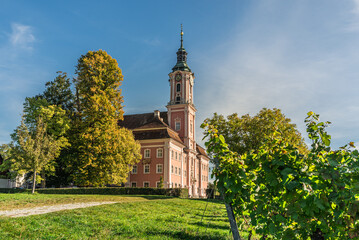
(106, 152)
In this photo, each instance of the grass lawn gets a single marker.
(136, 217)
(24, 200)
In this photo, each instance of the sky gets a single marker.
(298, 56)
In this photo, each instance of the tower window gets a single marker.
(178, 99)
(178, 87)
(178, 126)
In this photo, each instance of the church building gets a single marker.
(170, 154)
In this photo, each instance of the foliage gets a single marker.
(246, 133)
(5, 153)
(151, 217)
(53, 115)
(58, 92)
(281, 194)
(160, 185)
(105, 151)
(55, 124)
(35, 149)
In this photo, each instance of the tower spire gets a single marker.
(181, 36)
(181, 57)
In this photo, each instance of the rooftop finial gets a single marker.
(181, 36)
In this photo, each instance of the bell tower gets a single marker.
(181, 110)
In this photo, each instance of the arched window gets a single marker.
(178, 87)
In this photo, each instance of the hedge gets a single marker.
(14, 190)
(176, 192)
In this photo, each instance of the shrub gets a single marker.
(175, 192)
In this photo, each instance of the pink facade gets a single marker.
(168, 147)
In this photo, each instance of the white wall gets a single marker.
(5, 183)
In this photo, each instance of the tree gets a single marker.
(246, 133)
(5, 153)
(35, 149)
(106, 151)
(57, 123)
(58, 92)
(279, 193)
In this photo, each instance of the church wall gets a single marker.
(177, 115)
(152, 177)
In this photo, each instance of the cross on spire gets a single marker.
(181, 36)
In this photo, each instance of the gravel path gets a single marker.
(47, 209)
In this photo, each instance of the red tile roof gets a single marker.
(201, 151)
(147, 126)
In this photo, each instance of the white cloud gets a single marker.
(21, 36)
(353, 25)
(311, 73)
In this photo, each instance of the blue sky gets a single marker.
(298, 56)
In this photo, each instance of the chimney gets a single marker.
(157, 114)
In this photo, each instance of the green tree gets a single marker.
(57, 124)
(36, 149)
(246, 133)
(279, 193)
(58, 92)
(106, 151)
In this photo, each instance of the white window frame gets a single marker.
(145, 183)
(172, 169)
(159, 152)
(177, 126)
(133, 183)
(157, 183)
(179, 171)
(144, 169)
(134, 169)
(157, 165)
(147, 153)
(176, 170)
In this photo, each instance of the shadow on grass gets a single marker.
(206, 224)
(205, 200)
(152, 197)
(185, 235)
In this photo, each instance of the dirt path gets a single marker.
(47, 209)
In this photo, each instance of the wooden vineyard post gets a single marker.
(232, 221)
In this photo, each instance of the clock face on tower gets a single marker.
(178, 77)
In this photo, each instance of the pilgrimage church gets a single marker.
(170, 154)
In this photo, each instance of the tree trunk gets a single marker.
(317, 235)
(34, 183)
(43, 182)
(233, 223)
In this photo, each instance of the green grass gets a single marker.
(149, 218)
(23, 200)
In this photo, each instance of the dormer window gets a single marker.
(178, 87)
